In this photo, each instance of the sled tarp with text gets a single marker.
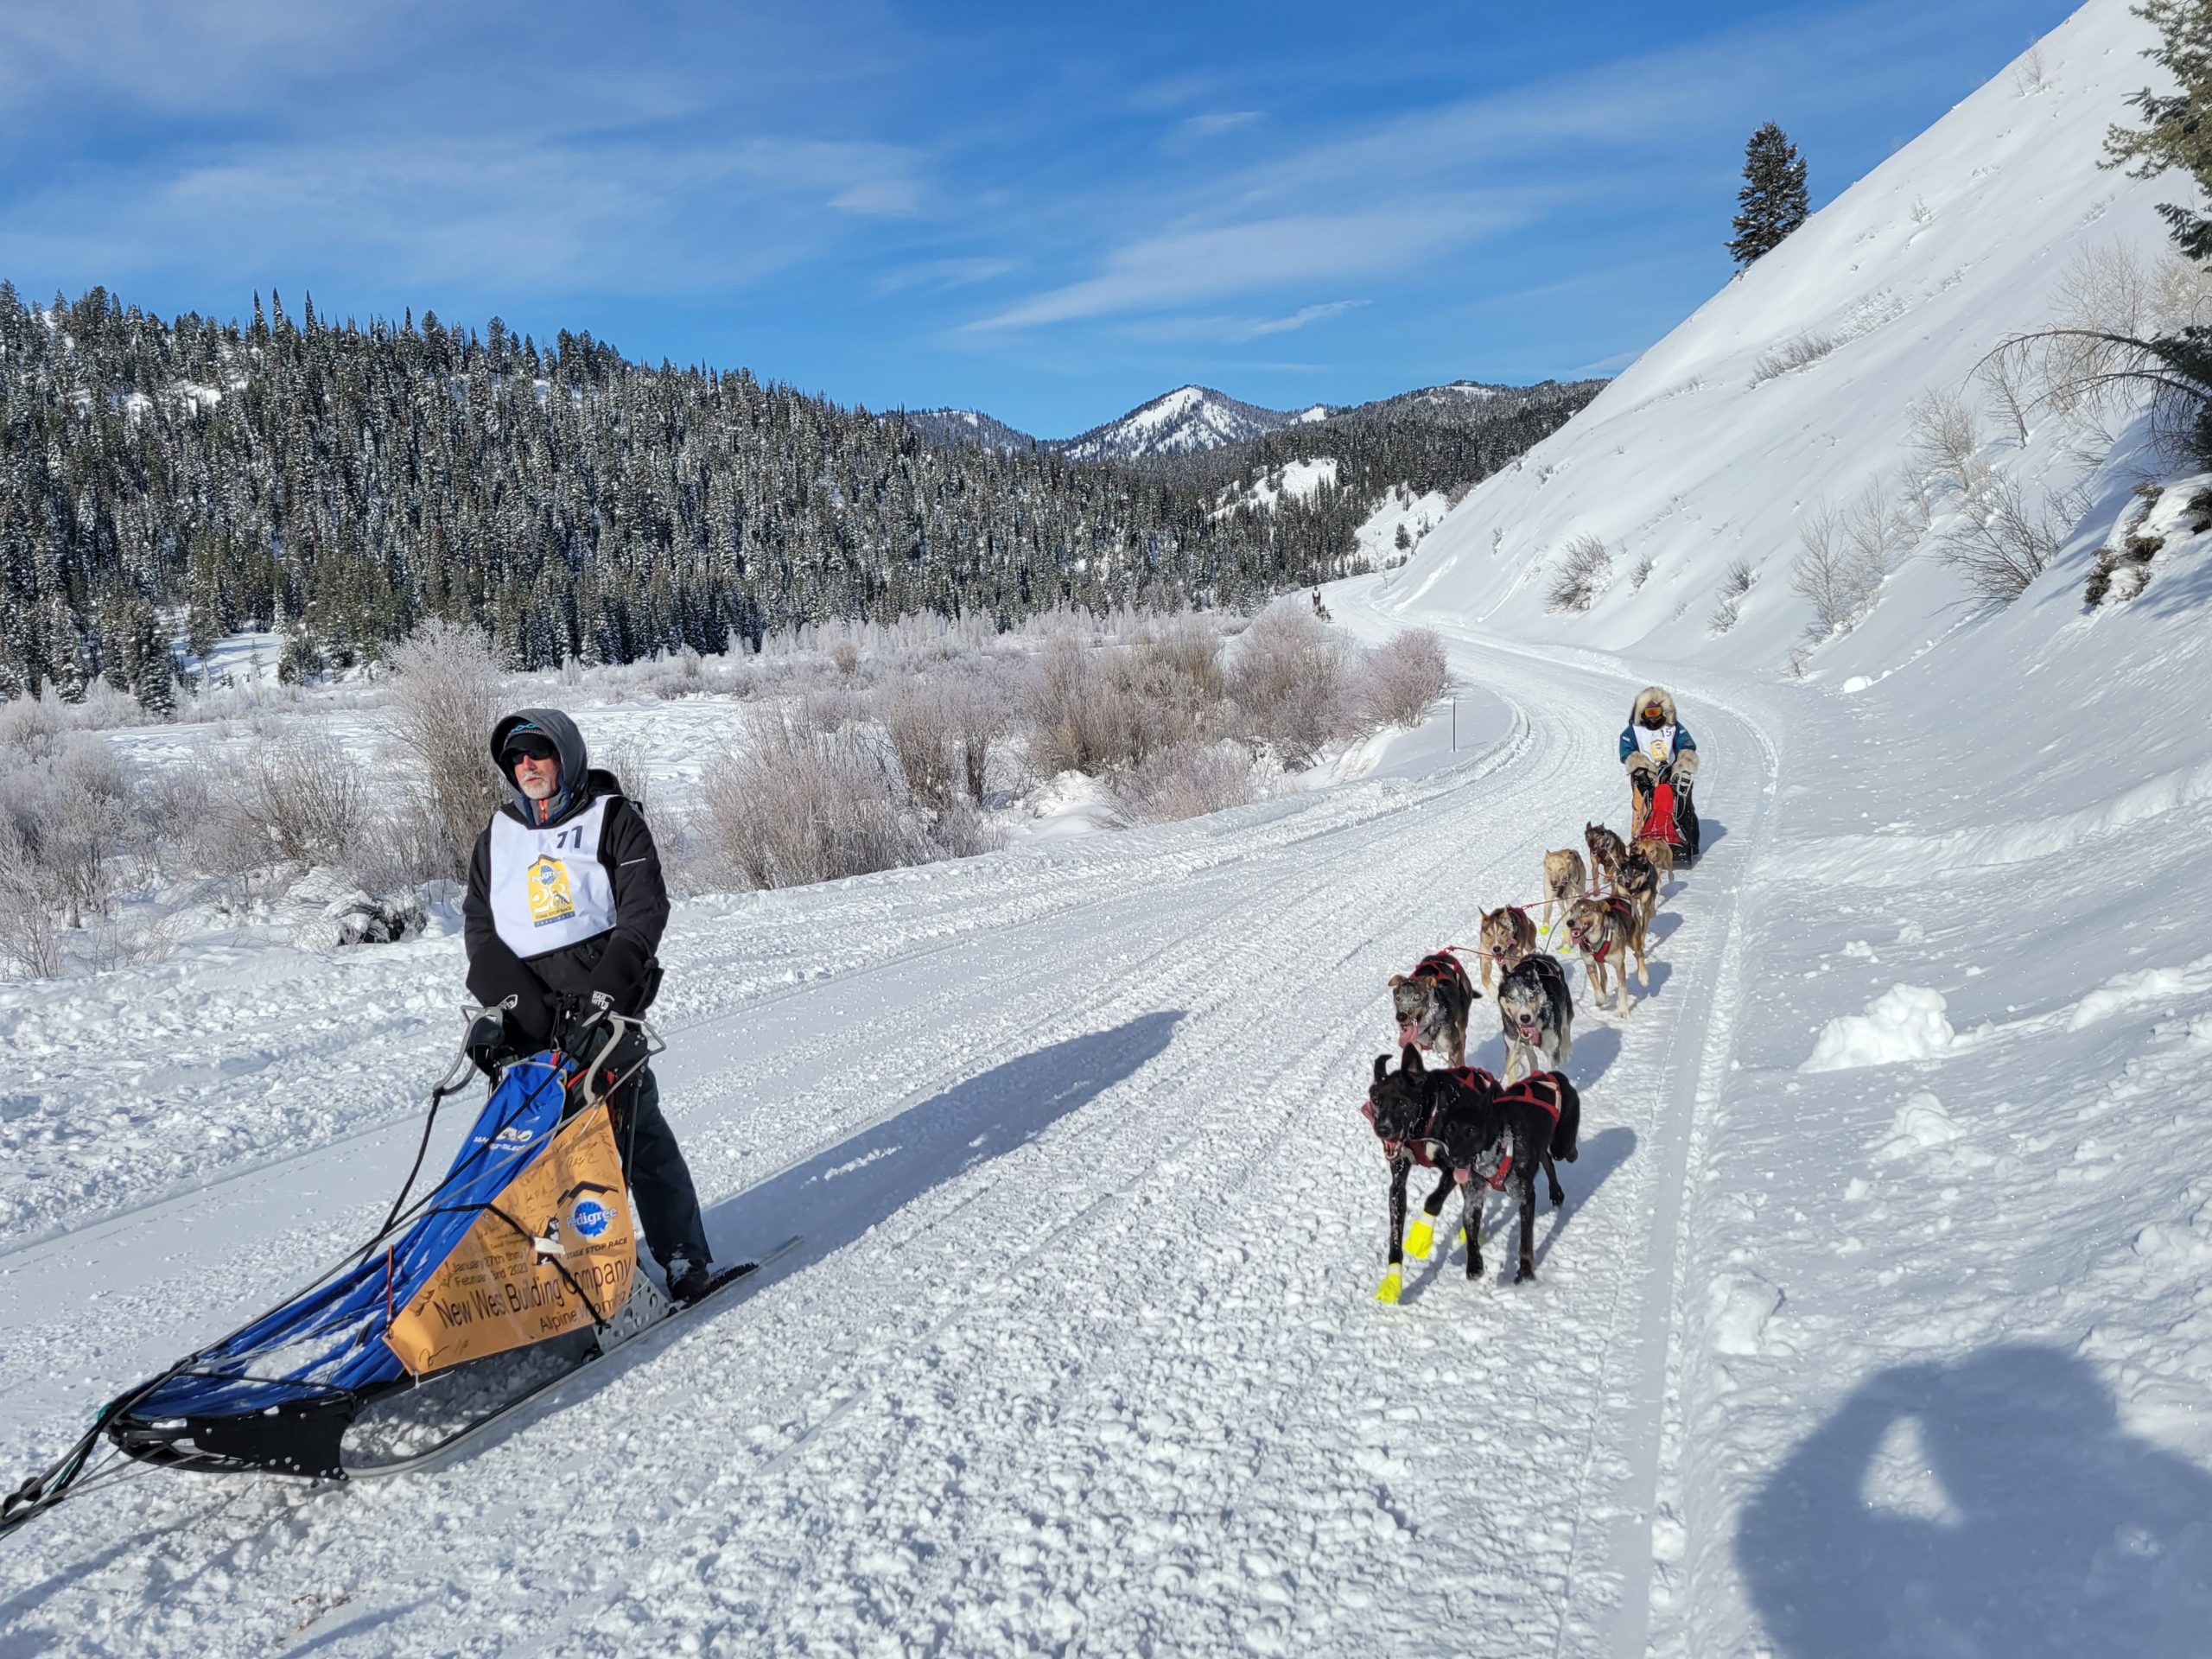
(528, 1236)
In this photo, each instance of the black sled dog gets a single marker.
(1478, 1136)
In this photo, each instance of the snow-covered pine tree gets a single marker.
(2177, 133)
(1772, 202)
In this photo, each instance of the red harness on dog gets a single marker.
(1620, 907)
(1540, 1090)
(1440, 964)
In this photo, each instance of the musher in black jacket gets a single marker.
(566, 906)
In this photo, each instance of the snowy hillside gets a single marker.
(1187, 419)
(1873, 1323)
(1792, 388)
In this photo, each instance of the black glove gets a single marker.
(489, 1044)
(580, 1025)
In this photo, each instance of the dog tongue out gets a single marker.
(1407, 1033)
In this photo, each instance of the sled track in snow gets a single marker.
(1094, 1367)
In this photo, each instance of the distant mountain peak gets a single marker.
(1183, 420)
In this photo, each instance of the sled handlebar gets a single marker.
(618, 1026)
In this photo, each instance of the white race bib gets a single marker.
(548, 889)
(1658, 745)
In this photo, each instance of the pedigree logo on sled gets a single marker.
(504, 1287)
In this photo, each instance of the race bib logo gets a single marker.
(550, 899)
(591, 1217)
(1658, 748)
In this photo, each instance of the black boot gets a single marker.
(688, 1280)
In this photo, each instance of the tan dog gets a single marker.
(1607, 851)
(1660, 855)
(1607, 930)
(1564, 876)
(1507, 935)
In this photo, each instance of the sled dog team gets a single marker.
(1480, 1133)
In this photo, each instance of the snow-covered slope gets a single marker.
(1187, 419)
(1713, 449)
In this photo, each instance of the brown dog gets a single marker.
(1660, 855)
(1607, 930)
(1507, 935)
(1564, 877)
(1607, 852)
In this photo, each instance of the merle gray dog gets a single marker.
(1431, 1005)
(1536, 1008)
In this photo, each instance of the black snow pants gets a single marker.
(660, 1178)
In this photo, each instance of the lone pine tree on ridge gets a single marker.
(1772, 202)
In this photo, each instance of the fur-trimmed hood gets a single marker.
(1666, 701)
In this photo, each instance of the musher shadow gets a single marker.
(840, 1193)
(1991, 1504)
(1600, 1155)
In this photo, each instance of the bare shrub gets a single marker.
(1799, 350)
(1584, 570)
(980, 704)
(444, 697)
(1733, 587)
(30, 927)
(921, 725)
(1287, 681)
(962, 831)
(2000, 541)
(1944, 442)
(1083, 716)
(114, 942)
(796, 806)
(401, 844)
(1641, 575)
(1186, 780)
(1821, 572)
(80, 822)
(1402, 678)
(2012, 386)
(624, 757)
(307, 799)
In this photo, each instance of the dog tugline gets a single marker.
(565, 910)
(1660, 757)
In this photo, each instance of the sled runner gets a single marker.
(494, 1286)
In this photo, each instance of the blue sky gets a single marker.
(1052, 212)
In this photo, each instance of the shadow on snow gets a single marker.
(1991, 1505)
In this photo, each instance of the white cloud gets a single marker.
(1219, 121)
(1161, 272)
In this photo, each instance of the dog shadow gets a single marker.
(1992, 1503)
(842, 1191)
(1599, 1156)
(1663, 927)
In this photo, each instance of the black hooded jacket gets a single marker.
(621, 961)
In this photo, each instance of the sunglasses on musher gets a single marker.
(530, 744)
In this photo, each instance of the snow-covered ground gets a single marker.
(1874, 1324)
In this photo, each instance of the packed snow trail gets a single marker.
(1079, 1353)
